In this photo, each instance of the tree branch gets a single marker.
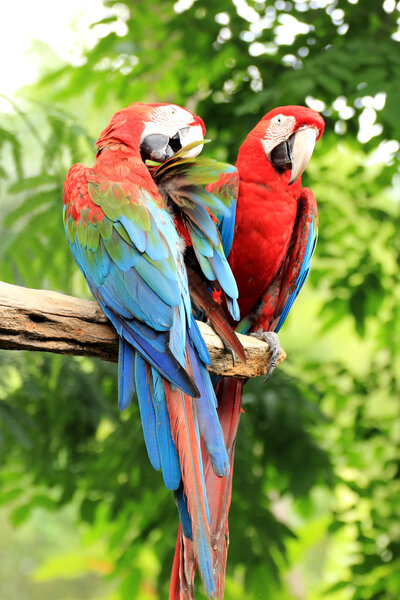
(52, 322)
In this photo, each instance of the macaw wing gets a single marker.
(179, 179)
(125, 245)
(227, 189)
(297, 265)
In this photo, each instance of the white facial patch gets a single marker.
(168, 120)
(280, 128)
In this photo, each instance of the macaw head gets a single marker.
(288, 135)
(156, 131)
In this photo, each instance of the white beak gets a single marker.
(301, 152)
(188, 135)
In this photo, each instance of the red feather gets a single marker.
(219, 490)
(183, 418)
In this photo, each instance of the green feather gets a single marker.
(71, 229)
(123, 233)
(138, 215)
(108, 197)
(81, 233)
(105, 228)
(92, 237)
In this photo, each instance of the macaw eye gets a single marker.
(173, 111)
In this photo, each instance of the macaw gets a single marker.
(269, 238)
(122, 230)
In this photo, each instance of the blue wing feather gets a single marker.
(227, 229)
(309, 216)
(227, 188)
(303, 274)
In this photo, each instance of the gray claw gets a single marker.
(229, 351)
(271, 338)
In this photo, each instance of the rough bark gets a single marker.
(52, 322)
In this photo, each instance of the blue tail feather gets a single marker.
(199, 343)
(147, 413)
(184, 516)
(233, 308)
(161, 359)
(126, 374)
(209, 424)
(168, 454)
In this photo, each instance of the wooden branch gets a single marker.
(52, 322)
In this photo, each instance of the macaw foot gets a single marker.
(271, 338)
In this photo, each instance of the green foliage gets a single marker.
(316, 496)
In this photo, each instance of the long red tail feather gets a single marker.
(186, 436)
(219, 490)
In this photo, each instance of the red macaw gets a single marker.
(269, 243)
(123, 236)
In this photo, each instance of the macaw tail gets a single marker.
(229, 393)
(183, 569)
(174, 424)
(186, 435)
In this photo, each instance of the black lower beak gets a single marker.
(156, 147)
(295, 153)
(159, 147)
(282, 155)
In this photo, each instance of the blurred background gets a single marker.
(316, 501)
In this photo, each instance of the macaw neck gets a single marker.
(118, 162)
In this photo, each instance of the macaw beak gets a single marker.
(302, 149)
(295, 153)
(160, 147)
(191, 134)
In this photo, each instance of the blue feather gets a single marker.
(107, 296)
(137, 235)
(224, 274)
(202, 546)
(209, 424)
(156, 247)
(147, 413)
(203, 221)
(227, 229)
(120, 252)
(126, 374)
(233, 308)
(177, 336)
(201, 242)
(184, 516)
(163, 287)
(198, 342)
(303, 274)
(169, 457)
(163, 361)
(204, 265)
(142, 301)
